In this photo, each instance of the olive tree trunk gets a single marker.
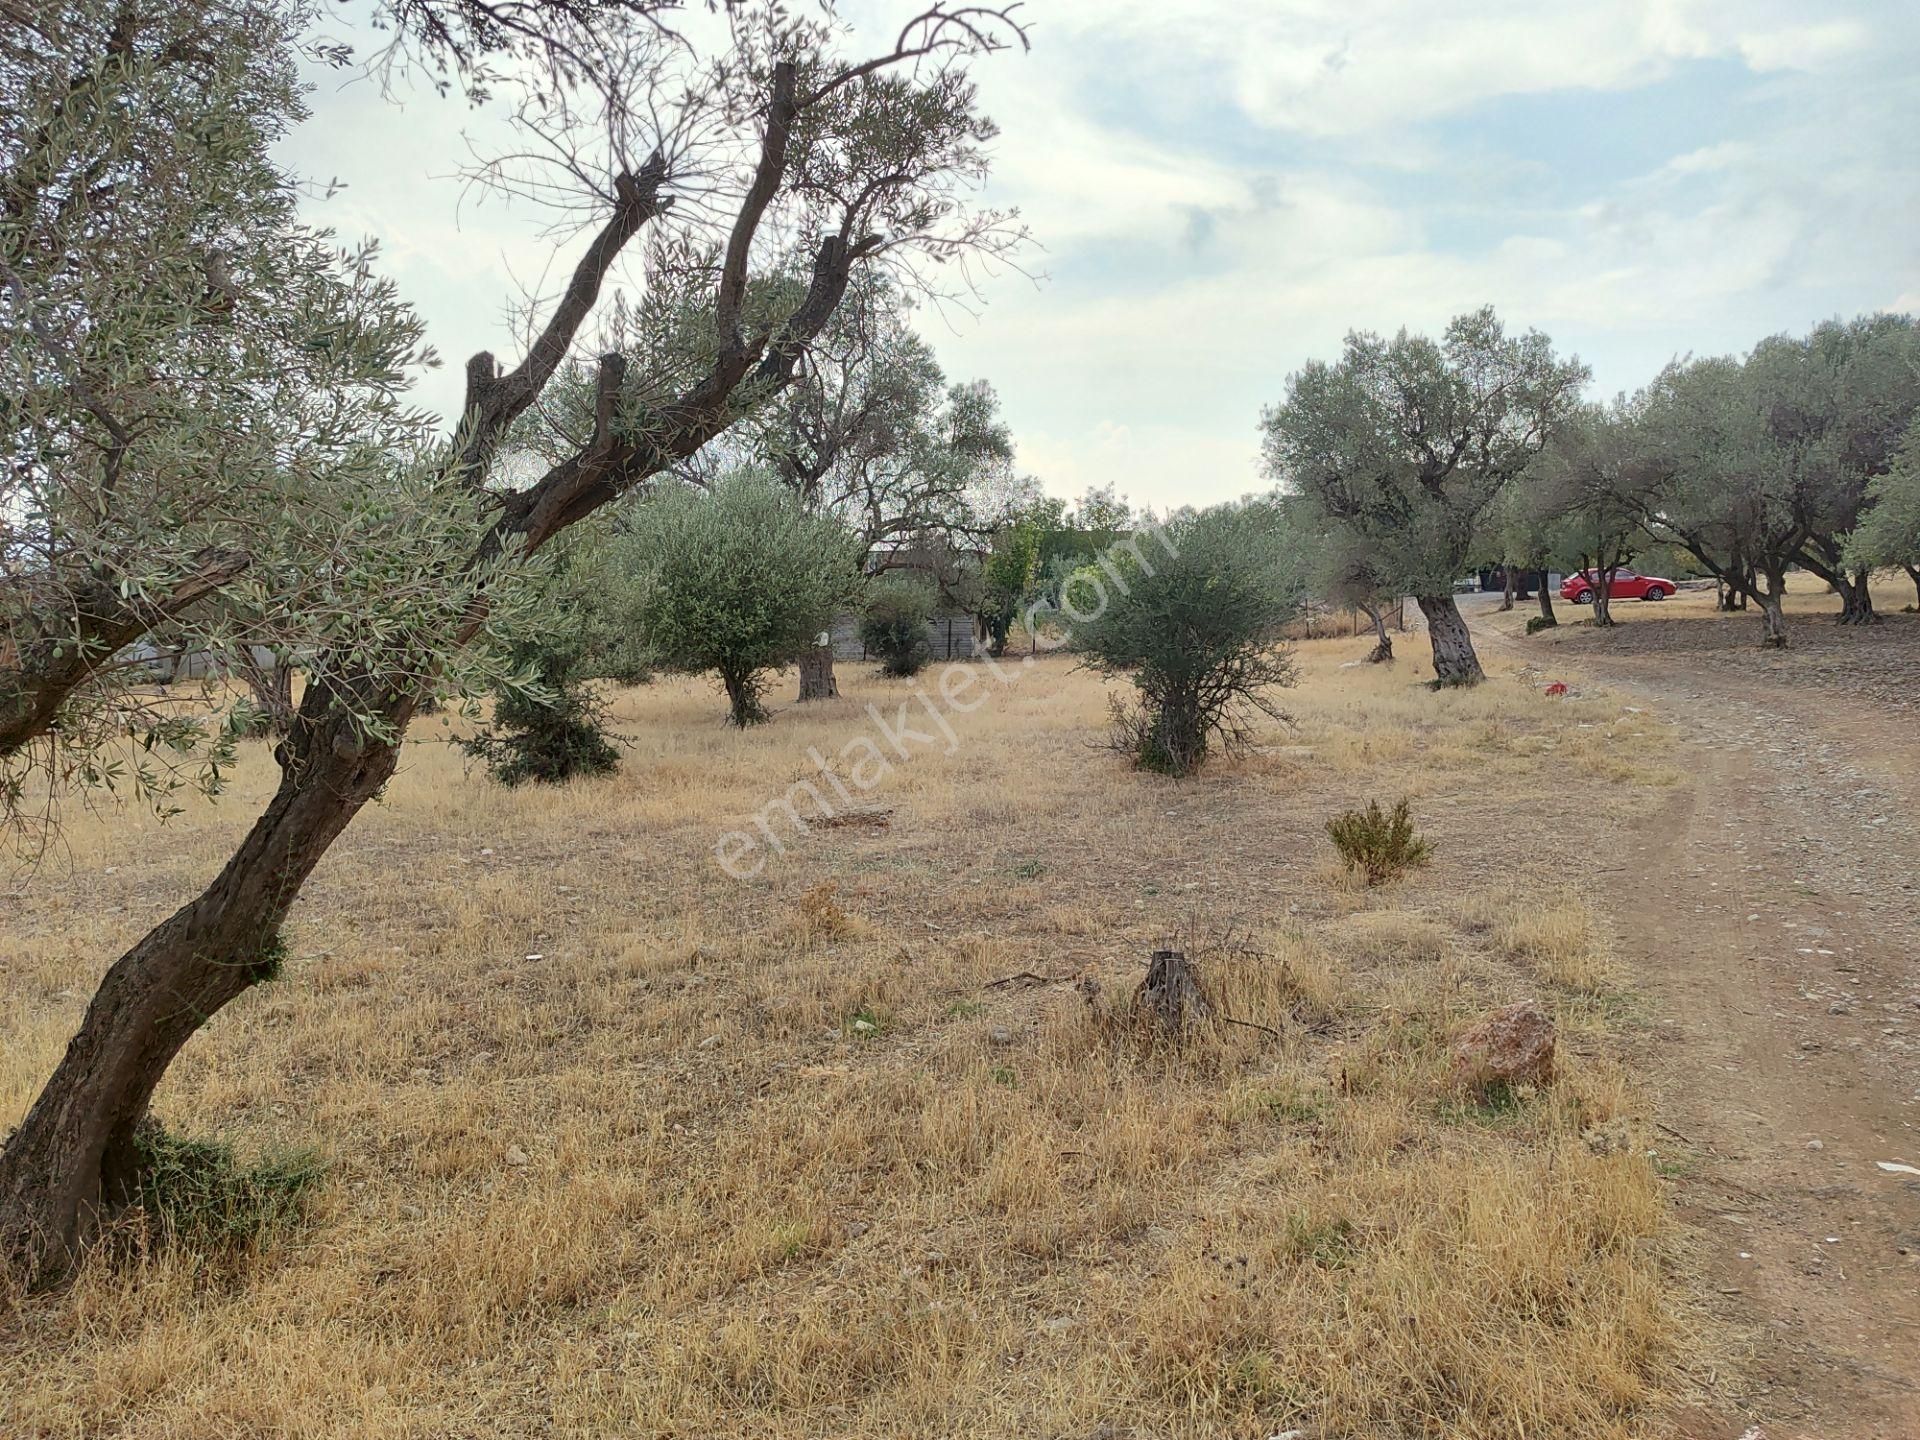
(1546, 603)
(1856, 597)
(743, 698)
(1602, 594)
(1773, 619)
(1382, 651)
(1454, 660)
(73, 1161)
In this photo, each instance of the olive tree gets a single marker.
(1890, 533)
(1836, 404)
(874, 434)
(1726, 493)
(736, 580)
(1587, 494)
(895, 614)
(1410, 442)
(764, 173)
(1197, 630)
(200, 399)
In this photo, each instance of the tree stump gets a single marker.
(1172, 994)
(817, 680)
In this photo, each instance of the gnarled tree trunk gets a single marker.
(743, 699)
(1856, 597)
(1454, 660)
(1773, 619)
(1547, 617)
(1603, 595)
(1913, 574)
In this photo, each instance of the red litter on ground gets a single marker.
(1557, 688)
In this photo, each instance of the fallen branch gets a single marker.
(1027, 977)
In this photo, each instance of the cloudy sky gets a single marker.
(1221, 189)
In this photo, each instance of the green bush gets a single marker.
(549, 733)
(736, 579)
(1537, 623)
(1192, 614)
(1377, 843)
(894, 625)
(197, 1192)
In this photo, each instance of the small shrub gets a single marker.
(550, 735)
(894, 625)
(1378, 844)
(197, 1192)
(1537, 623)
(1194, 621)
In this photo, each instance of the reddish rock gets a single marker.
(1513, 1045)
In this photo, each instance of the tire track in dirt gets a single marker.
(1770, 911)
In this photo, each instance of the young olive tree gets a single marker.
(548, 725)
(1410, 442)
(1009, 577)
(737, 580)
(895, 614)
(767, 172)
(1197, 629)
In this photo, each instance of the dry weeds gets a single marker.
(796, 1166)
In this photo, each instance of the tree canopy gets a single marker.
(1409, 443)
(736, 580)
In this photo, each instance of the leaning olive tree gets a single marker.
(1836, 404)
(1726, 494)
(766, 173)
(1588, 492)
(1409, 442)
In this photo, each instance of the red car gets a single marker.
(1578, 587)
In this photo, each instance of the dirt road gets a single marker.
(1771, 913)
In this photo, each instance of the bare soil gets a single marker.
(1770, 912)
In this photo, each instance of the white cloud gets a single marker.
(1223, 190)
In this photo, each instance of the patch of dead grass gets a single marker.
(793, 1166)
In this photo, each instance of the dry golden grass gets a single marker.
(807, 1155)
